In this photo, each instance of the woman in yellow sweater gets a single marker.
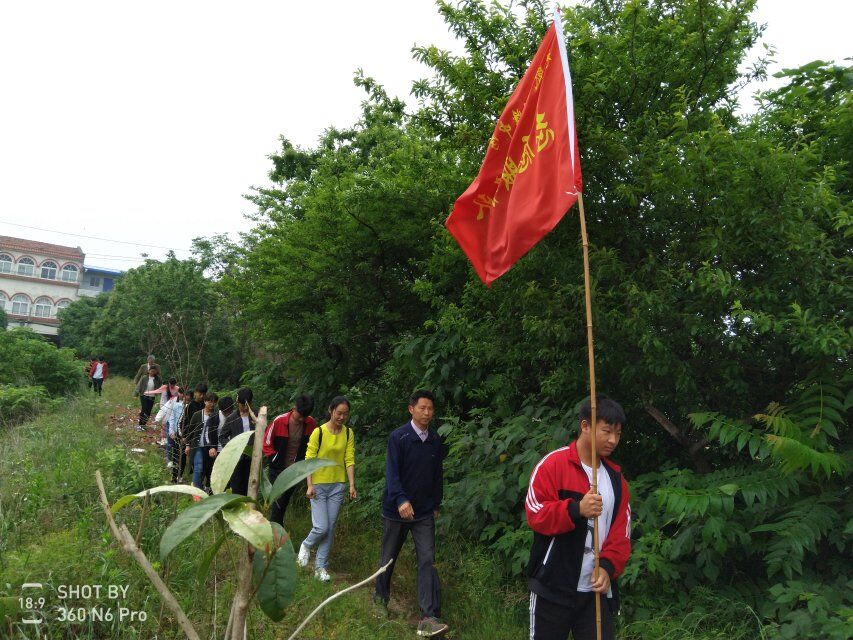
(326, 487)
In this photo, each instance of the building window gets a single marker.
(42, 308)
(26, 267)
(69, 273)
(3, 301)
(5, 263)
(62, 304)
(95, 281)
(21, 305)
(48, 270)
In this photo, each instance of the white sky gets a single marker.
(147, 122)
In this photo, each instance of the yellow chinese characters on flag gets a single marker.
(531, 173)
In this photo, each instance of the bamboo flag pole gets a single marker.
(592, 401)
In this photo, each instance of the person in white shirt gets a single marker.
(99, 372)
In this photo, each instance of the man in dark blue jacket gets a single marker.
(410, 502)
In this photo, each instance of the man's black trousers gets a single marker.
(280, 505)
(423, 535)
(551, 621)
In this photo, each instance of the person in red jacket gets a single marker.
(560, 509)
(98, 373)
(285, 442)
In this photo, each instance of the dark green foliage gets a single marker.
(75, 324)
(769, 528)
(29, 359)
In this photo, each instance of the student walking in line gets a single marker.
(236, 423)
(561, 509)
(327, 486)
(146, 402)
(99, 372)
(167, 392)
(173, 442)
(414, 479)
(194, 405)
(143, 370)
(285, 442)
(201, 436)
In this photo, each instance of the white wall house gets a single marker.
(37, 279)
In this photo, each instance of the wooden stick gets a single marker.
(338, 595)
(592, 401)
(129, 545)
(244, 587)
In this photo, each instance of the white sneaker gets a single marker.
(304, 556)
(322, 575)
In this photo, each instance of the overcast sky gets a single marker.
(147, 122)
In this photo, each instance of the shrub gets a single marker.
(28, 359)
(17, 403)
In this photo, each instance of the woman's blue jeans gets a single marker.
(324, 514)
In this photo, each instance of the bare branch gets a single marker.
(338, 595)
(129, 545)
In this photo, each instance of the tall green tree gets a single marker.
(168, 308)
(75, 324)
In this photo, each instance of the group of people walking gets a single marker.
(197, 427)
(560, 506)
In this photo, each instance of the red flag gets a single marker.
(531, 174)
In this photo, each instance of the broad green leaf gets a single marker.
(249, 524)
(227, 459)
(207, 558)
(295, 473)
(193, 517)
(277, 587)
(728, 489)
(170, 488)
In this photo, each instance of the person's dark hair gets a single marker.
(201, 388)
(173, 382)
(304, 405)
(210, 396)
(336, 402)
(226, 404)
(421, 393)
(100, 358)
(605, 409)
(244, 395)
(156, 370)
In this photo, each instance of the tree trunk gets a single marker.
(692, 447)
(244, 586)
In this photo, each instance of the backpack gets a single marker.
(320, 436)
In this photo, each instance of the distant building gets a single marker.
(96, 280)
(37, 279)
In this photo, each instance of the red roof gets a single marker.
(44, 248)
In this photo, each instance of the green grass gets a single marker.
(52, 531)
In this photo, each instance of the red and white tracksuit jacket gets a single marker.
(557, 485)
